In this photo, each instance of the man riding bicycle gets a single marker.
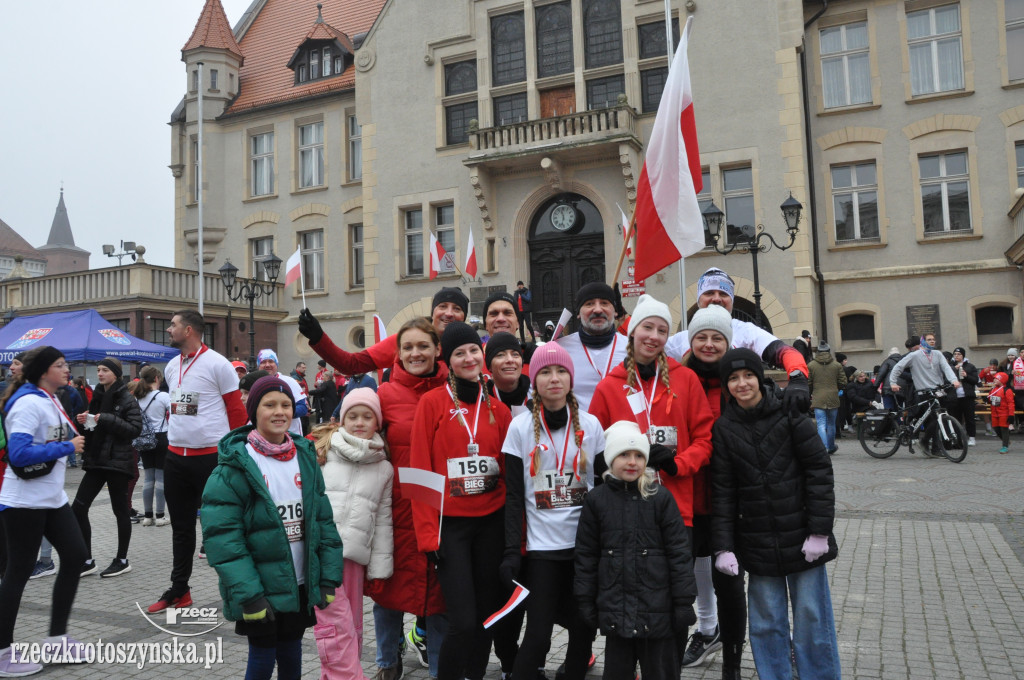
(930, 370)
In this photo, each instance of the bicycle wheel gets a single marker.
(953, 438)
(879, 434)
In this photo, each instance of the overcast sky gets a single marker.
(86, 90)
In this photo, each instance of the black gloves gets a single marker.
(797, 397)
(509, 569)
(663, 458)
(309, 326)
(258, 611)
(682, 619)
(434, 557)
(620, 311)
(326, 597)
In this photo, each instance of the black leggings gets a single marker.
(117, 486)
(25, 530)
(471, 551)
(1004, 435)
(184, 480)
(552, 601)
(729, 594)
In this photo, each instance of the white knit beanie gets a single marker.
(646, 307)
(711, 318)
(625, 435)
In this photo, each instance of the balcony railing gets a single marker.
(574, 128)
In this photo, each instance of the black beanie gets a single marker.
(456, 334)
(735, 359)
(268, 383)
(249, 379)
(594, 289)
(45, 357)
(499, 342)
(114, 364)
(450, 295)
(500, 295)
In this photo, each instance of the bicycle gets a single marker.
(881, 432)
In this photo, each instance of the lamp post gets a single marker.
(127, 249)
(250, 290)
(756, 240)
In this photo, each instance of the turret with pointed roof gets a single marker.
(62, 255)
(213, 43)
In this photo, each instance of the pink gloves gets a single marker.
(814, 547)
(726, 563)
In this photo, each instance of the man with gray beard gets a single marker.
(597, 347)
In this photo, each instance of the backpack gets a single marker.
(146, 440)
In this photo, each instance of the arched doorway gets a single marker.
(566, 251)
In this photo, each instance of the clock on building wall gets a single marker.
(565, 217)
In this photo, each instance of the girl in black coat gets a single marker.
(113, 421)
(773, 506)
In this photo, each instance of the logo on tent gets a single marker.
(114, 335)
(32, 336)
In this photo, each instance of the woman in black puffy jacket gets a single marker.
(112, 422)
(860, 393)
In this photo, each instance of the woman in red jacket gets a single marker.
(458, 432)
(413, 587)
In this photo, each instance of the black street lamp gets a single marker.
(755, 239)
(250, 290)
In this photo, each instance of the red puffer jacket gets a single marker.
(413, 587)
(1003, 412)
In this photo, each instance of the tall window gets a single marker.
(602, 32)
(444, 226)
(855, 199)
(603, 93)
(1020, 164)
(213, 82)
(413, 242)
(355, 232)
(510, 109)
(327, 62)
(554, 39)
(311, 249)
(457, 117)
(945, 195)
(314, 64)
(1015, 39)
(652, 84)
(738, 196)
(508, 48)
(196, 183)
(158, 331)
(651, 38)
(936, 61)
(459, 78)
(845, 67)
(210, 335)
(311, 155)
(261, 155)
(355, 149)
(704, 199)
(259, 248)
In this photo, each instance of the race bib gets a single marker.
(552, 490)
(291, 514)
(472, 475)
(58, 433)
(184, 403)
(662, 434)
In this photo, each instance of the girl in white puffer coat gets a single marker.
(359, 479)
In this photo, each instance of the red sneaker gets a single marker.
(168, 599)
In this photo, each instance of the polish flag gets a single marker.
(437, 253)
(625, 229)
(293, 268)
(668, 220)
(379, 331)
(423, 486)
(470, 268)
(518, 595)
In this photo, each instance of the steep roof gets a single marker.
(274, 35)
(60, 229)
(11, 243)
(213, 30)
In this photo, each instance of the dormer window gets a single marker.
(324, 53)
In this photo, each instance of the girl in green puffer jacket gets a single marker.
(270, 534)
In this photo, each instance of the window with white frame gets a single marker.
(936, 50)
(413, 232)
(311, 155)
(196, 183)
(355, 232)
(704, 199)
(355, 149)
(213, 79)
(738, 197)
(259, 249)
(1015, 39)
(945, 192)
(311, 250)
(444, 227)
(855, 201)
(845, 65)
(261, 163)
(1020, 164)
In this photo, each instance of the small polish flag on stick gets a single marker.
(437, 253)
(426, 487)
(625, 229)
(471, 257)
(379, 333)
(563, 321)
(518, 595)
(293, 272)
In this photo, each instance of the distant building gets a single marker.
(62, 255)
(11, 245)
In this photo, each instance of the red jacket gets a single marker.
(437, 435)
(1002, 413)
(688, 412)
(379, 356)
(413, 587)
(712, 385)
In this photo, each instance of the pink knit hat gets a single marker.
(361, 396)
(550, 354)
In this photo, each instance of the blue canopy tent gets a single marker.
(82, 336)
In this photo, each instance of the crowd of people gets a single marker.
(632, 479)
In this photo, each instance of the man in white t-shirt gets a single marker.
(267, 361)
(205, 406)
(597, 347)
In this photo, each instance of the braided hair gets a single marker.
(574, 411)
(632, 378)
(483, 388)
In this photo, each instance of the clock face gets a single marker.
(563, 217)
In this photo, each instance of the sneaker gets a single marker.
(116, 568)
(135, 519)
(169, 599)
(202, 551)
(88, 568)
(394, 673)
(147, 521)
(16, 668)
(43, 569)
(161, 521)
(971, 442)
(701, 647)
(1003, 450)
(418, 643)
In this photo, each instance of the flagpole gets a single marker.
(440, 519)
(199, 186)
(302, 282)
(625, 247)
(682, 260)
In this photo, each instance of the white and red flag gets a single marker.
(470, 268)
(379, 330)
(668, 220)
(437, 253)
(293, 268)
(518, 595)
(423, 486)
(625, 229)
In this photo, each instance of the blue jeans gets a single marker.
(814, 629)
(387, 626)
(826, 418)
(889, 402)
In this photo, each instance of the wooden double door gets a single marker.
(558, 268)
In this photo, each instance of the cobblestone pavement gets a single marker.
(929, 581)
